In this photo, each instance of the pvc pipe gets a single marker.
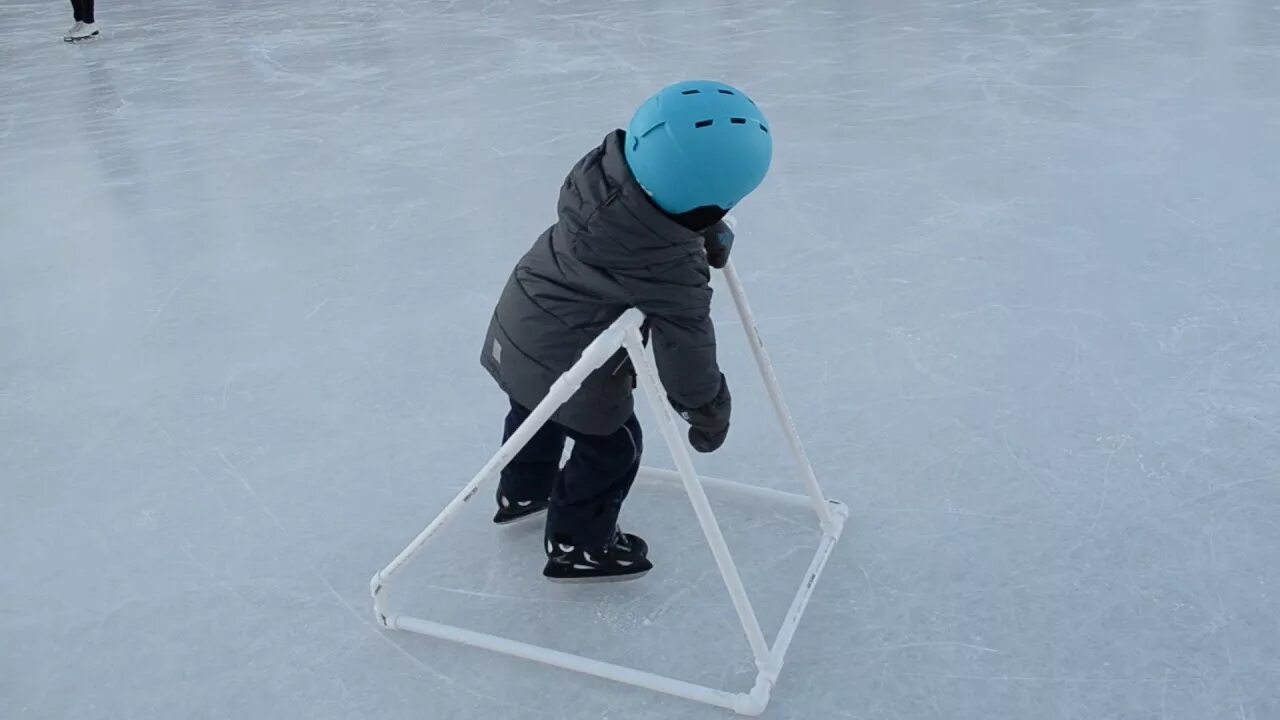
(647, 375)
(625, 332)
(757, 700)
(816, 497)
(792, 619)
(577, 663)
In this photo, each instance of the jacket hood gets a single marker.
(612, 221)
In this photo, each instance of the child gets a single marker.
(639, 225)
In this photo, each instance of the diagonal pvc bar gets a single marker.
(792, 619)
(647, 375)
(818, 500)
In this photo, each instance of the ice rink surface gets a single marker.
(1017, 263)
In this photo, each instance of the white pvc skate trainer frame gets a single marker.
(625, 333)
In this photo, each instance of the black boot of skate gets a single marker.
(624, 558)
(510, 510)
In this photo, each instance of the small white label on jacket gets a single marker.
(496, 352)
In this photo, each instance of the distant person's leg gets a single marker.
(84, 27)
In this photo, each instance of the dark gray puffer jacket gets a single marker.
(610, 250)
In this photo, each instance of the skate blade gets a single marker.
(597, 579)
(80, 40)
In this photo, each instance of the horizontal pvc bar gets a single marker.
(763, 493)
(630, 676)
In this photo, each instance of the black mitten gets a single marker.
(718, 240)
(709, 424)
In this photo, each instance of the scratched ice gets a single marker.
(1016, 262)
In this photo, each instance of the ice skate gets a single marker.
(623, 559)
(510, 510)
(81, 31)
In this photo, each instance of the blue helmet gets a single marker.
(698, 143)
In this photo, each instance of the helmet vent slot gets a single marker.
(762, 127)
(725, 92)
(738, 121)
(703, 123)
(695, 91)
